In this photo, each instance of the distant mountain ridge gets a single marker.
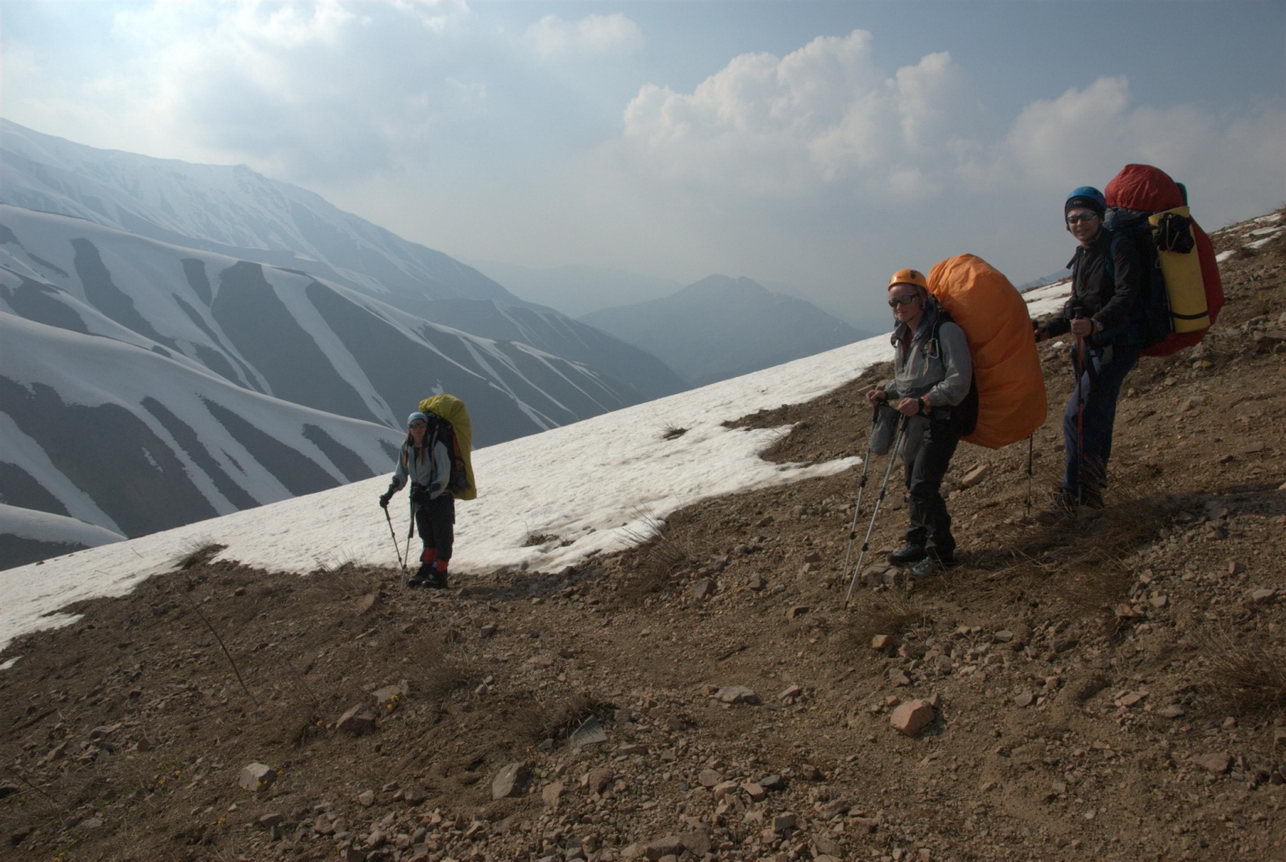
(722, 327)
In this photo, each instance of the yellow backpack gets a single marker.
(452, 411)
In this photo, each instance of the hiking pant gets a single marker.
(1099, 389)
(930, 524)
(435, 519)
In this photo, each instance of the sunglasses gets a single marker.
(419, 423)
(1076, 219)
(895, 301)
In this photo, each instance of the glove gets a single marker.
(384, 498)
(422, 495)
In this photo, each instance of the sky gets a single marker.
(815, 145)
(595, 486)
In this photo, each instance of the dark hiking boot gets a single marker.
(437, 578)
(932, 565)
(908, 553)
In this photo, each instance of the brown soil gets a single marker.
(1107, 687)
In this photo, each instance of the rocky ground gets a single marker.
(1105, 687)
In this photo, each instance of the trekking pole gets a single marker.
(1080, 421)
(396, 547)
(861, 486)
(875, 513)
(1030, 457)
(1078, 311)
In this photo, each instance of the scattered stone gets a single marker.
(598, 780)
(704, 588)
(1262, 597)
(797, 611)
(366, 798)
(898, 677)
(1172, 710)
(391, 694)
(1025, 699)
(1003, 636)
(509, 780)
(670, 845)
(754, 790)
(366, 603)
(1131, 698)
(697, 841)
(882, 642)
(826, 846)
(912, 717)
(974, 476)
(709, 778)
(791, 694)
(1217, 762)
(784, 824)
(257, 777)
(357, 721)
(736, 694)
(756, 582)
(552, 794)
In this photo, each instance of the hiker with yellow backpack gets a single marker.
(1105, 314)
(435, 459)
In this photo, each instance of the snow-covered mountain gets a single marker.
(120, 434)
(160, 353)
(721, 327)
(238, 213)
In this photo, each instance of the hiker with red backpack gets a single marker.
(425, 460)
(933, 374)
(1105, 313)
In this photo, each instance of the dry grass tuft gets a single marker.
(885, 613)
(672, 432)
(1242, 675)
(200, 553)
(658, 557)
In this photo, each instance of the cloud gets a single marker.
(822, 115)
(552, 37)
(1085, 135)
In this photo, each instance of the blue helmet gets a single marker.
(1086, 197)
(417, 415)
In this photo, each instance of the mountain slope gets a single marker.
(723, 327)
(282, 332)
(156, 443)
(235, 212)
(1098, 687)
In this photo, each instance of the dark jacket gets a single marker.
(1109, 292)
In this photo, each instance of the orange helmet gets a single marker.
(909, 276)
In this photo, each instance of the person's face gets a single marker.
(906, 302)
(1083, 224)
(417, 429)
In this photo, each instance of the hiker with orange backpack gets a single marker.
(1105, 315)
(425, 459)
(933, 374)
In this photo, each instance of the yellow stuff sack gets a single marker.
(448, 407)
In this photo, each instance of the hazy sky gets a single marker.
(820, 145)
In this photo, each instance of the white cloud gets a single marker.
(552, 37)
(821, 115)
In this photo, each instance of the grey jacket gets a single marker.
(423, 471)
(940, 369)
